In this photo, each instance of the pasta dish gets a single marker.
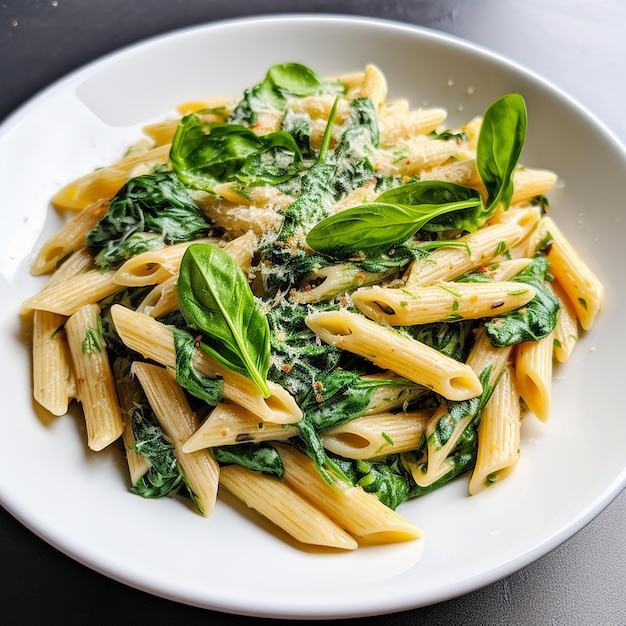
(321, 300)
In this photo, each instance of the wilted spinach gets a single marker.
(206, 154)
(536, 319)
(148, 212)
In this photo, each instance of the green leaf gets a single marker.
(149, 211)
(500, 144)
(208, 389)
(206, 154)
(536, 319)
(260, 457)
(215, 299)
(394, 217)
(280, 83)
(164, 476)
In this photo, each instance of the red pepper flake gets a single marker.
(319, 398)
(286, 368)
(318, 385)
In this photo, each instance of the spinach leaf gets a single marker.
(500, 144)
(394, 217)
(386, 479)
(153, 203)
(452, 339)
(260, 457)
(208, 389)
(206, 154)
(273, 92)
(164, 476)
(215, 299)
(536, 319)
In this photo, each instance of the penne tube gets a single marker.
(446, 301)
(374, 86)
(154, 266)
(533, 374)
(105, 182)
(163, 298)
(498, 436)
(360, 513)
(70, 238)
(390, 350)
(376, 436)
(231, 423)
(66, 297)
(179, 422)
(417, 154)
(584, 290)
(394, 128)
(450, 263)
(154, 341)
(239, 218)
(94, 378)
(335, 279)
(529, 183)
(283, 506)
(566, 330)
(461, 172)
(54, 385)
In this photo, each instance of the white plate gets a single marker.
(78, 501)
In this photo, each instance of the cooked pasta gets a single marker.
(319, 299)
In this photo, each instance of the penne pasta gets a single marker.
(365, 334)
(582, 286)
(449, 263)
(533, 375)
(286, 508)
(94, 378)
(375, 436)
(179, 422)
(498, 436)
(71, 238)
(387, 349)
(352, 508)
(446, 301)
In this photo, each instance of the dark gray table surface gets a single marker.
(580, 46)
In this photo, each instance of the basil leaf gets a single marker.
(272, 93)
(206, 154)
(393, 218)
(500, 144)
(215, 299)
(153, 203)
